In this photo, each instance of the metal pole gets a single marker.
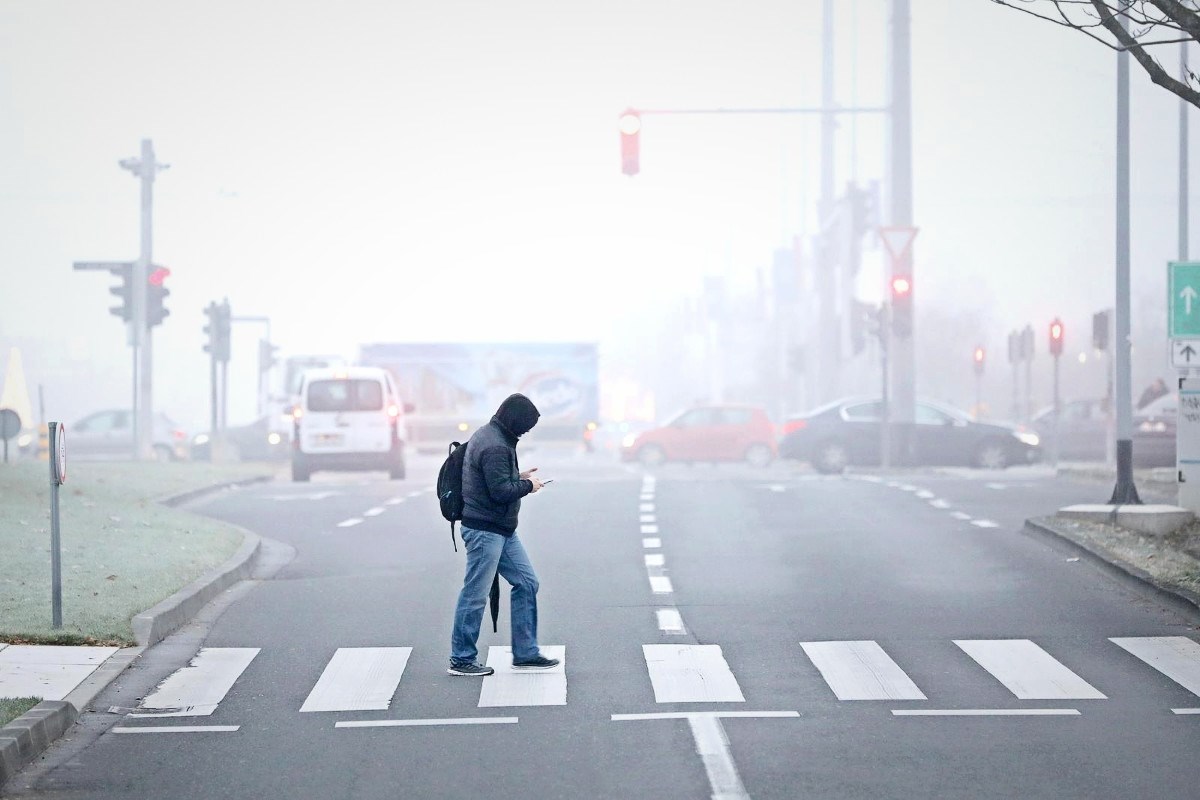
(885, 417)
(55, 541)
(145, 411)
(903, 355)
(1125, 492)
(827, 334)
(1183, 158)
(1057, 412)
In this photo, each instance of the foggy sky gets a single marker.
(389, 171)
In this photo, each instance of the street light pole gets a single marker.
(903, 352)
(1125, 492)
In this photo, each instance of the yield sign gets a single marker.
(897, 239)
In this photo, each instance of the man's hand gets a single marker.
(527, 475)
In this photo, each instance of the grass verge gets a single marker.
(11, 708)
(122, 551)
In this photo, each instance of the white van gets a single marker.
(348, 418)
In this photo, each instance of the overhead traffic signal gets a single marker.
(156, 293)
(1100, 325)
(901, 290)
(266, 355)
(1056, 337)
(631, 128)
(979, 357)
(124, 292)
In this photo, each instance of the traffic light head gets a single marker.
(124, 293)
(631, 129)
(901, 289)
(156, 293)
(217, 331)
(1056, 338)
(979, 356)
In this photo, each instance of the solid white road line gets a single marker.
(985, 712)
(349, 523)
(661, 584)
(691, 673)
(861, 671)
(373, 512)
(651, 542)
(404, 723)
(670, 621)
(1185, 711)
(713, 746)
(984, 523)
(179, 729)
(649, 529)
(195, 690)
(358, 679)
(1177, 657)
(655, 559)
(1027, 670)
(514, 687)
(719, 714)
(960, 515)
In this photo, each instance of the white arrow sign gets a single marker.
(1188, 294)
(1185, 353)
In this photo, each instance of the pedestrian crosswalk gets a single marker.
(368, 678)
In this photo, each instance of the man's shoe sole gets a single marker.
(482, 674)
(527, 667)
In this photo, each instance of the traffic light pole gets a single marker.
(1057, 414)
(144, 168)
(903, 350)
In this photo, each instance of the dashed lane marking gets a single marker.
(939, 503)
(655, 559)
(350, 523)
(651, 542)
(649, 529)
(961, 515)
(661, 584)
(984, 523)
(670, 621)
(373, 512)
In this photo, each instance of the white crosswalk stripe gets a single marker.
(861, 671)
(1027, 670)
(358, 679)
(691, 673)
(514, 687)
(1176, 657)
(196, 689)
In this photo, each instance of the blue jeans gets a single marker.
(486, 553)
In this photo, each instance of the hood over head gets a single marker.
(518, 414)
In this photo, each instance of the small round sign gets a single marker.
(58, 452)
(10, 423)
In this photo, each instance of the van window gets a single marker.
(345, 395)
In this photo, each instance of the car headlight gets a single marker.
(1030, 439)
(24, 440)
(200, 438)
(274, 438)
(628, 439)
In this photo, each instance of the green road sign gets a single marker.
(1183, 299)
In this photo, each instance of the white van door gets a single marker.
(345, 415)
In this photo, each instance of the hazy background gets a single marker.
(396, 171)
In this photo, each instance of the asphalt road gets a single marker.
(835, 603)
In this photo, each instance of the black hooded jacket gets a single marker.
(492, 486)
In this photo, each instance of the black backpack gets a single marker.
(449, 486)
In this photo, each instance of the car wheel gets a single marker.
(163, 454)
(991, 454)
(758, 455)
(651, 455)
(300, 474)
(832, 457)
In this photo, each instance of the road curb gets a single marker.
(26, 737)
(184, 497)
(1177, 598)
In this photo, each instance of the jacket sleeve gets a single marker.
(503, 485)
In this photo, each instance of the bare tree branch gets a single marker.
(1128, 25)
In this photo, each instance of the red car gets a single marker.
(707, 433)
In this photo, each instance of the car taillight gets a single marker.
(297, 413)
(794, 425)
(179, 435)
(393, 411)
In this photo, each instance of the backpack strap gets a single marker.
(455, 544)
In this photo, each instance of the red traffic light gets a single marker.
(901, 285)
(158, 275)
(1056, 338)
(630, 126)
(979, 355)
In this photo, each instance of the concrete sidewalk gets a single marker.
(50, 672)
